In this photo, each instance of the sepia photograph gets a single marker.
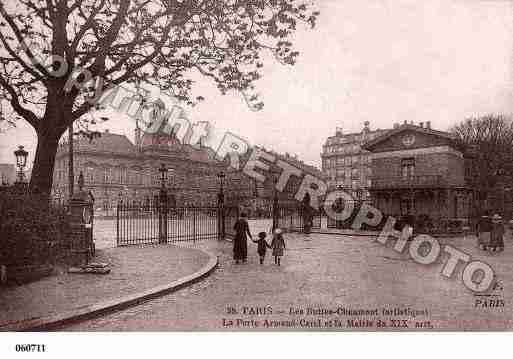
(270, 166)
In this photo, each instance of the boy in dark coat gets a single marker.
(262, 246)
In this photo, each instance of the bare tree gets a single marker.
(57, 56)
(489, 141)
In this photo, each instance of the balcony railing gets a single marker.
(430, 181)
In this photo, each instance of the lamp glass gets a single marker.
(21, 156)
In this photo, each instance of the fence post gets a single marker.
(117, 223)
(221, 230)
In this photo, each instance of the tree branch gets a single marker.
(28, 115)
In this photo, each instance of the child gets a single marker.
(262, 246)
(278, 245)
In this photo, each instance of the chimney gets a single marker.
(339, 132)
(421, 124)
(405, 122)
(396, 125)
(428, 124)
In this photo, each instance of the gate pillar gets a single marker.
(81, 221)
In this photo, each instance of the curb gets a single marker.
(348, 234)
(437, 235)
(95, 310)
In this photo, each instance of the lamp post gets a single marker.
(220, 205)
(359, 194)
(275, 203)
(163, 176)
(163, 180)
(21, 162)
(81, 181)
(339, 205)
(163, 204)
(220, 197)
(71, 173)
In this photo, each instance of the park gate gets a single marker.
(292, 217)
(153, 221)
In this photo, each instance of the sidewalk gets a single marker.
(137, 272)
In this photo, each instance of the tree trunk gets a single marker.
(41, 180)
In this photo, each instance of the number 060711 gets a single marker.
(28, 348)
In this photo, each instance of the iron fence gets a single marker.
(155, 222)
(294, 217)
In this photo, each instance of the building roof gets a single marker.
(350, 134)
(106, 143)
(404, 127)
(294, 161)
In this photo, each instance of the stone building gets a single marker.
(346, 163)
(419, 171)
(116, 169)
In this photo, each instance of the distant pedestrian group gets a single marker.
(240, 242)
(491, 233)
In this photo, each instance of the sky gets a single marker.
(381, 61)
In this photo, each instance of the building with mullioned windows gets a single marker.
(116, 169)
(345, 163)
(421, 173)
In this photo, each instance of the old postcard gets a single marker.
(255, 166)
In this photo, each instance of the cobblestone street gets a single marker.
(325, 272)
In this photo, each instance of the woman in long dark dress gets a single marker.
(240, 242)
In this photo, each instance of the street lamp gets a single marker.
(21, 162)
(220, 204)
(275, 203)
(163, 175)
(220, 197)
(81, 181)
(359, 194)
(163, 208)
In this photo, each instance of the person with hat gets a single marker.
(240, 242)
(278, 245)
(484, 229)
(497, 237)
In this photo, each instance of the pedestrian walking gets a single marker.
(262, 246)
(497, 235)
(307, 215)
(278, 246)
(484, 229)
(240, 242)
